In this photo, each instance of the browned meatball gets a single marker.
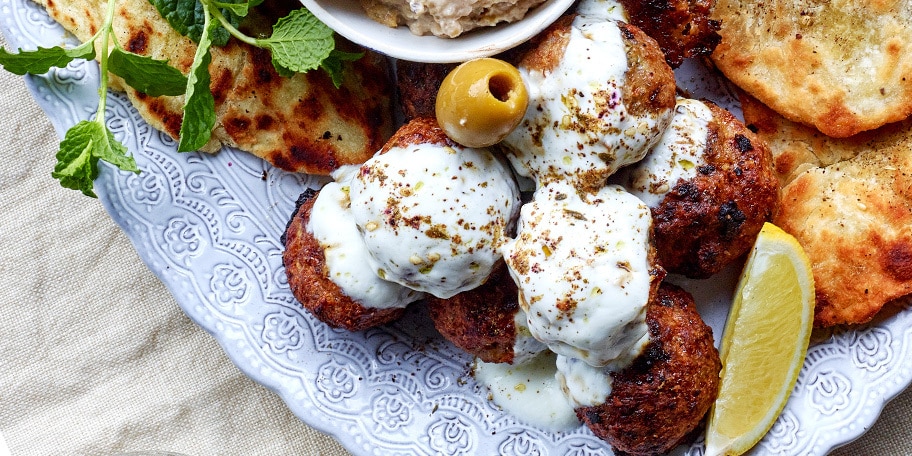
(305, 267)
(418, 84)
(575, 130)
(683, 28)
(657, 401)
(650, 84)
(706, 222)
(481, 321)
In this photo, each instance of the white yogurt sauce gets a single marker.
(525, 346)
(433, 217)
(582, 384)
(529, 391)
(333, 227)
(583, 271)
(577, 127)
(677, 156)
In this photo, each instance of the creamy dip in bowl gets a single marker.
(349, 19)
(446, 18)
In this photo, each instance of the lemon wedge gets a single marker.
(764, 342)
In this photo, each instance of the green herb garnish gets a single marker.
(299, 43)
(199, 105)
(89, 140)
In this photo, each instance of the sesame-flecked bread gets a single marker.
(301, 124)
(842, 66)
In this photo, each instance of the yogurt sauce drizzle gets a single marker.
(577, 128)
(529, 391)
(678, 155)
(433, 217)
(332, 225)
(582, 267)
(602, 9)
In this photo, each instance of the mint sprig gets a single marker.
(299, 43)
(83, 145)
(41, 60)
(188, 17)
(199, 104)
(89, 141)
(150, 76)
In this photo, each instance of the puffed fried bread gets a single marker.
(843, 67)
(301, 124)
(849, 203)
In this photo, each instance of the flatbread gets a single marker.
(849, 203)
(797, 148)
(843, 66)
(300, 124)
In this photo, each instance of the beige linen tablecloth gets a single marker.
(97, 358)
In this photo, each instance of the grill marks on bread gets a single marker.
(300, 124)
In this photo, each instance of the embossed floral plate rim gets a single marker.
(209, 227)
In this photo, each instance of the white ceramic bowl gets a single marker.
(348, 19)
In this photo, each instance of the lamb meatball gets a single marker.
(683, 28)
(661, 397)
(418, 83)
(585, 268)
(710, 184)
(432, 213)
(600, 94)
(487, 322)
(362, 300)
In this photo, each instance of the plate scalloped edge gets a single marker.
(208, 227)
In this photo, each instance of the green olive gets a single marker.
(481, 101)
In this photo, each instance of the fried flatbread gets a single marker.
(849, 203)
(841, 66)
(301, 124)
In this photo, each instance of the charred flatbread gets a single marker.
(302, 123)
(842, 66)
(849, 203)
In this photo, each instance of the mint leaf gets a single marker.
(332, 65)
(77, 160)
(282, 71)
(147, 75)
(41, 60)
(199, 104)
(240, 9)
(299, 42)
(188, 18)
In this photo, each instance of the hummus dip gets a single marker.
(446, 18)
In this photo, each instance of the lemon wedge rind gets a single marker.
(764, 342)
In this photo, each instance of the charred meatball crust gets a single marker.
(650, 78)
(657, 401)
(418, 84)
(305, 267)
(706, 223)
(420, 130)
(481, 321)
(683, 28)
